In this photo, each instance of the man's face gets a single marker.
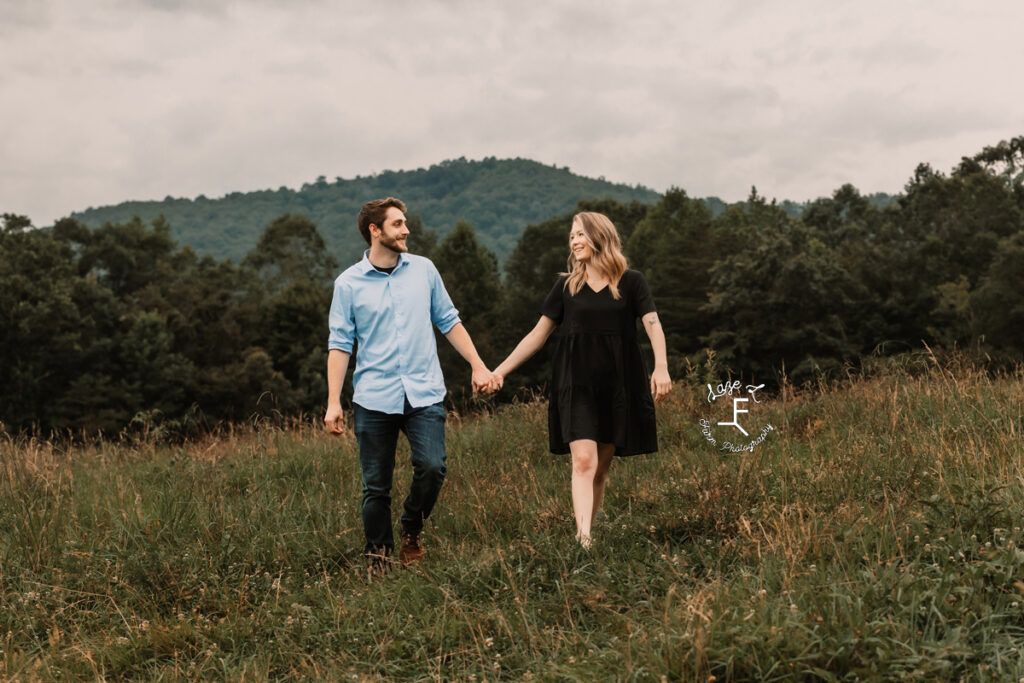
(393, 233)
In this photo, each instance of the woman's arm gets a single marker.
(661, 383)
(529, 345)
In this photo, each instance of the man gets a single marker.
(389, 303)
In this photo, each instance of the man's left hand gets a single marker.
(481, 379)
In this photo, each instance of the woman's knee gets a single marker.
(584, 463)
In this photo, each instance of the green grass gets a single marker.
(876, 535)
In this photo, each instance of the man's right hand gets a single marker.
(334, 420)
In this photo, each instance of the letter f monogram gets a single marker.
(735, 416)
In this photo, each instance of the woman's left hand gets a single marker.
(661, 384)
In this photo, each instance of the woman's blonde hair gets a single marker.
(606, 253)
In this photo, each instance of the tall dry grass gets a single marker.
(876, 534)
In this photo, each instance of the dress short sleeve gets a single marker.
(553, 306)
(643, 303)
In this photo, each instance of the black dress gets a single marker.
(600, 389)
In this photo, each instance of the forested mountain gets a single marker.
(498, 197)
(123, 327)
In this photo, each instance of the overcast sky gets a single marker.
(110, 100)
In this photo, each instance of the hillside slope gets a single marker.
(499, 197)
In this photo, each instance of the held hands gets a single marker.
(483, 380)
(497, 381)
(661, 384)
(486, 382)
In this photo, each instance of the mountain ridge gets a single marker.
(498, 197)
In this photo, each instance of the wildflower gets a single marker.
(792, 607)
(572, 660)
(488, 642)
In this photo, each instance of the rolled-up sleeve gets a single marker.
(342, 322)
(442, 311)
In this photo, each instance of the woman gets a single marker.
(600, 404)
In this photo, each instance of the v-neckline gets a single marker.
(596, 291)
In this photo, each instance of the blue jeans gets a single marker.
(377, 434)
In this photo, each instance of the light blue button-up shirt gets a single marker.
(392, 318)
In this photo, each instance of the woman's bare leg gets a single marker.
(605, 451)
(584, 467)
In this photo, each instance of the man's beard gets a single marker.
(394, 245)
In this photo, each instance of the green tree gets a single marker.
(43, 333)
(470, 274)
(782, 301)
(125, 257)
(675, 247)
(421, 241)
(291, 250)
(936, 246)
(1006, 161)
(294, 324)
(530, 272)
(998, 302)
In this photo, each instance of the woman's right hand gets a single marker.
(497, 381)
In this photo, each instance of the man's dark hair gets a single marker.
(374, 213)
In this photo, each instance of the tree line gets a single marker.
(118, 328)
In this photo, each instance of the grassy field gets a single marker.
(877, 534)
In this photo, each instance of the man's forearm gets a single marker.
(459, 338)
(337, 366)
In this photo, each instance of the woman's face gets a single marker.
(578, 243)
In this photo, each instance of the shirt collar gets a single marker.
(367, 266)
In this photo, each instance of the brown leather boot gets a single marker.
(411, 550)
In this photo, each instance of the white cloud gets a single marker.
(125, 100)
